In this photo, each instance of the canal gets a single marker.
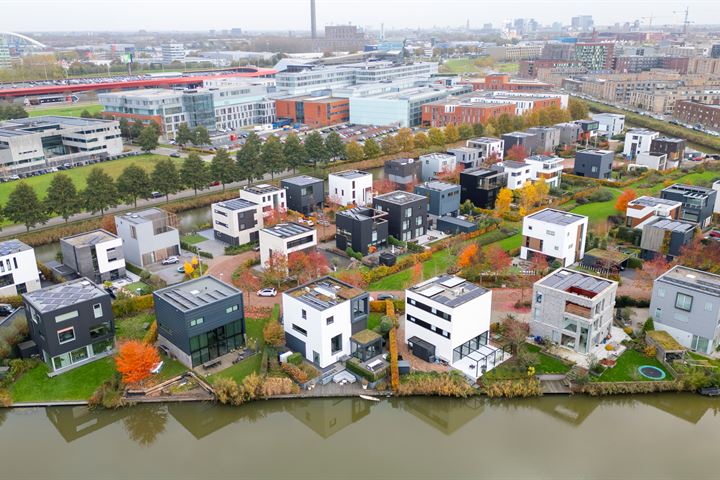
(654, 436)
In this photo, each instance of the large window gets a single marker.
(215, 343)
(97, 310)
(336, 344)
(66, 335)
(299, 329)
(683, 302)
(100, 330)
(66, 316)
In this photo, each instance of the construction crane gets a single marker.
(686, 22)
(649, 19)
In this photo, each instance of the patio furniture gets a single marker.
(211, 364)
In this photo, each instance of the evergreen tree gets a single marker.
(315, 148)
(222, 168)
(184, 135)
(165, 178)
(148, 139)
(124, 128)
(100, 192)
(195, 173)
(335, 146)
(248, 164)
(136, 129)
(200, 136)
(24, 207)
(294, 152)
(62, 197)
(271, 156)
(133, 183)
(371, 148)
(478, 129)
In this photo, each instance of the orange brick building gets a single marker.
(504, 82)
(442, 113)
(314, 111)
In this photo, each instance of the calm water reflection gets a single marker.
(667, 436)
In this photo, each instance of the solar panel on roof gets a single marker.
(432, 291)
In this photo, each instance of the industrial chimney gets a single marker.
(313, 26)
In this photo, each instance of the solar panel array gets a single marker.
(197, 293)
(64, 295)
(12, 246)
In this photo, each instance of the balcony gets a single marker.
(579, 310)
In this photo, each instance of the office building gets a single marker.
(403, 172)
(698, 203)
(490, 148)
(148, 236)
(594, 163)
(435, 165)
(305, 194)
(443, 198)
(285, 238)
(269, 197)
(71, 323)
(172, 52)
(364, 229)
(407, 214)
(236, 221)
(18, 268)
(97, 255)
(556, 234)
(350, 187)
(5, 61)
(582, 22)
(481, 186)
(686, 304)
(638, 141)
(504, 82)
(313, 111)
(611, 124)
(643, 208)
(31, 144)
(463, 111)
(573, 309)
(320, 317)
(665, 237)
(200, 320)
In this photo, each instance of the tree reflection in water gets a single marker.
(144, 425)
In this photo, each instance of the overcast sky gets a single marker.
(283, 15)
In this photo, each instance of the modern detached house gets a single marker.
(407, 214)
(447, 319)
(305, 194)
(361, 228)
(594, 163)
(686, 304)
(351, 187)
(556, 234)
(269, 197)
(236, 221)
(481, 186)
(18, 268)
(285, 238)
(148, 236)
(200, 320)
(320, 317)
(71, 323)
(573, 309)
(97, 255)
(698, 202)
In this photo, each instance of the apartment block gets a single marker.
(556, 234)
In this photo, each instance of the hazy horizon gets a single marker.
(259, 15)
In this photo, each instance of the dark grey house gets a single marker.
(697, 202)
(587, 125)
(528, 141)
(97, 255)
(407, 214)
(665, 237)
(455, 225)
(481, 186)
(674, 148)
(569, 132)
(71, 323)
(594, 163)
(403, 171)
(305, 194)
(361, 228)
(443, 197)
(200, 320)
(548, 138)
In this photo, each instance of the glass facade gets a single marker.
(82, 353)
(215, 343)
(199, 109)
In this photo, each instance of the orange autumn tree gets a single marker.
(417, 274)
(135, 360)
(625, 197)
(468, 256)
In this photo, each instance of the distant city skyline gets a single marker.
(284, 15)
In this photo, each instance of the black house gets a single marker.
(407, 213)
(697, 202)
(481, 186)
(403, 171)
(361, 228)
(200, 320)
(71, 323)
(594, 163)
(305, 194)
(674, 148)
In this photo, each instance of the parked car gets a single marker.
(171, 260)
(156, 195)
(181, 269)
(267, 292)
(386, 296)
(175, 155)
(6, 309)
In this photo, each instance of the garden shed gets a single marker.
(668, 349)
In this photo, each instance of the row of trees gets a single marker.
(10, 111)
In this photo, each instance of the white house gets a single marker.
(609, 123)
(320, 317)
(237, 221)
(654, 161)
(488, 147)
(18, 268)
(518, 173)
(549, 168)
(434, 164)
(556, 234)
(148, 236)
(447, 318)
(716, 187)
(638, 141)
(643, 208)
(269, 197)
(468, 157)
(285, 238)
(531, 169)
(351, 187)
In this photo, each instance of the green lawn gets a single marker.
(545, 365)
(437, 265)
(510, 67)
(66, 110)
(76, 384)
(626, 368)
(461, 65)
(691, 178)
(131, 328)
(192, 239)
(78, 174)
(511, 243)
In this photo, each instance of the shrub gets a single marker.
(648, 325)
(228, 392)
(295, 359)
(278, 386)
(14, 300)
(108, 395)
(238, 249)
(128, 306)
(622, 388)
(354, 366)
(151, 335)
(529, 387)
(353, 254)
(601, 195)
(634, 262)
(650, 351)
(440, 384)
(252, 386)
(295, 372)
(623, 301)
(628, 330)
(5, 398)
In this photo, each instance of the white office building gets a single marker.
(149, 236)
(30, 144)
(435, 164)
(18, 269)
(237, 221)
(172, 52)
(447, 319)
(269, 197)
(351, 187)
(610, 124)
(488, 146)
(638, 141)
(556, 234)
(285, 238)
(320, 317)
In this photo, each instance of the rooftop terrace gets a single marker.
(324, 293)
(577, 283)
(449, 290)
